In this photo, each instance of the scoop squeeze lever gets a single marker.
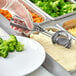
(60, 39)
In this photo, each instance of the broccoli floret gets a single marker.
(40, 3)
(1, 40)
(19, 47)
(11, 47)
(68, 8)
(3, 53)
(12, 40)
(55, 7)
(4, 50)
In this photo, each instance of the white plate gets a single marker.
(23, 63)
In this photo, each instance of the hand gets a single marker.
(20, 22)
(17, 6)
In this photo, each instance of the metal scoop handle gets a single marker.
(55, 38)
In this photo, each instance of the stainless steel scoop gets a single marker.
(60, 37)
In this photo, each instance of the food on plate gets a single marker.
(19, 47)
(55, 8)
(36, 18)
(65, 57)
(6, 14)
(70, 26)
(1, 40)
(4, 49)
(10, 45)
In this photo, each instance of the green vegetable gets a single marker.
(12, 40)
(19, 47)
(1, 40)
(4, 49)
(10, 45)
(55, 8)
(3, 53)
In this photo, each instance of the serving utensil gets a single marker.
(59, 37)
